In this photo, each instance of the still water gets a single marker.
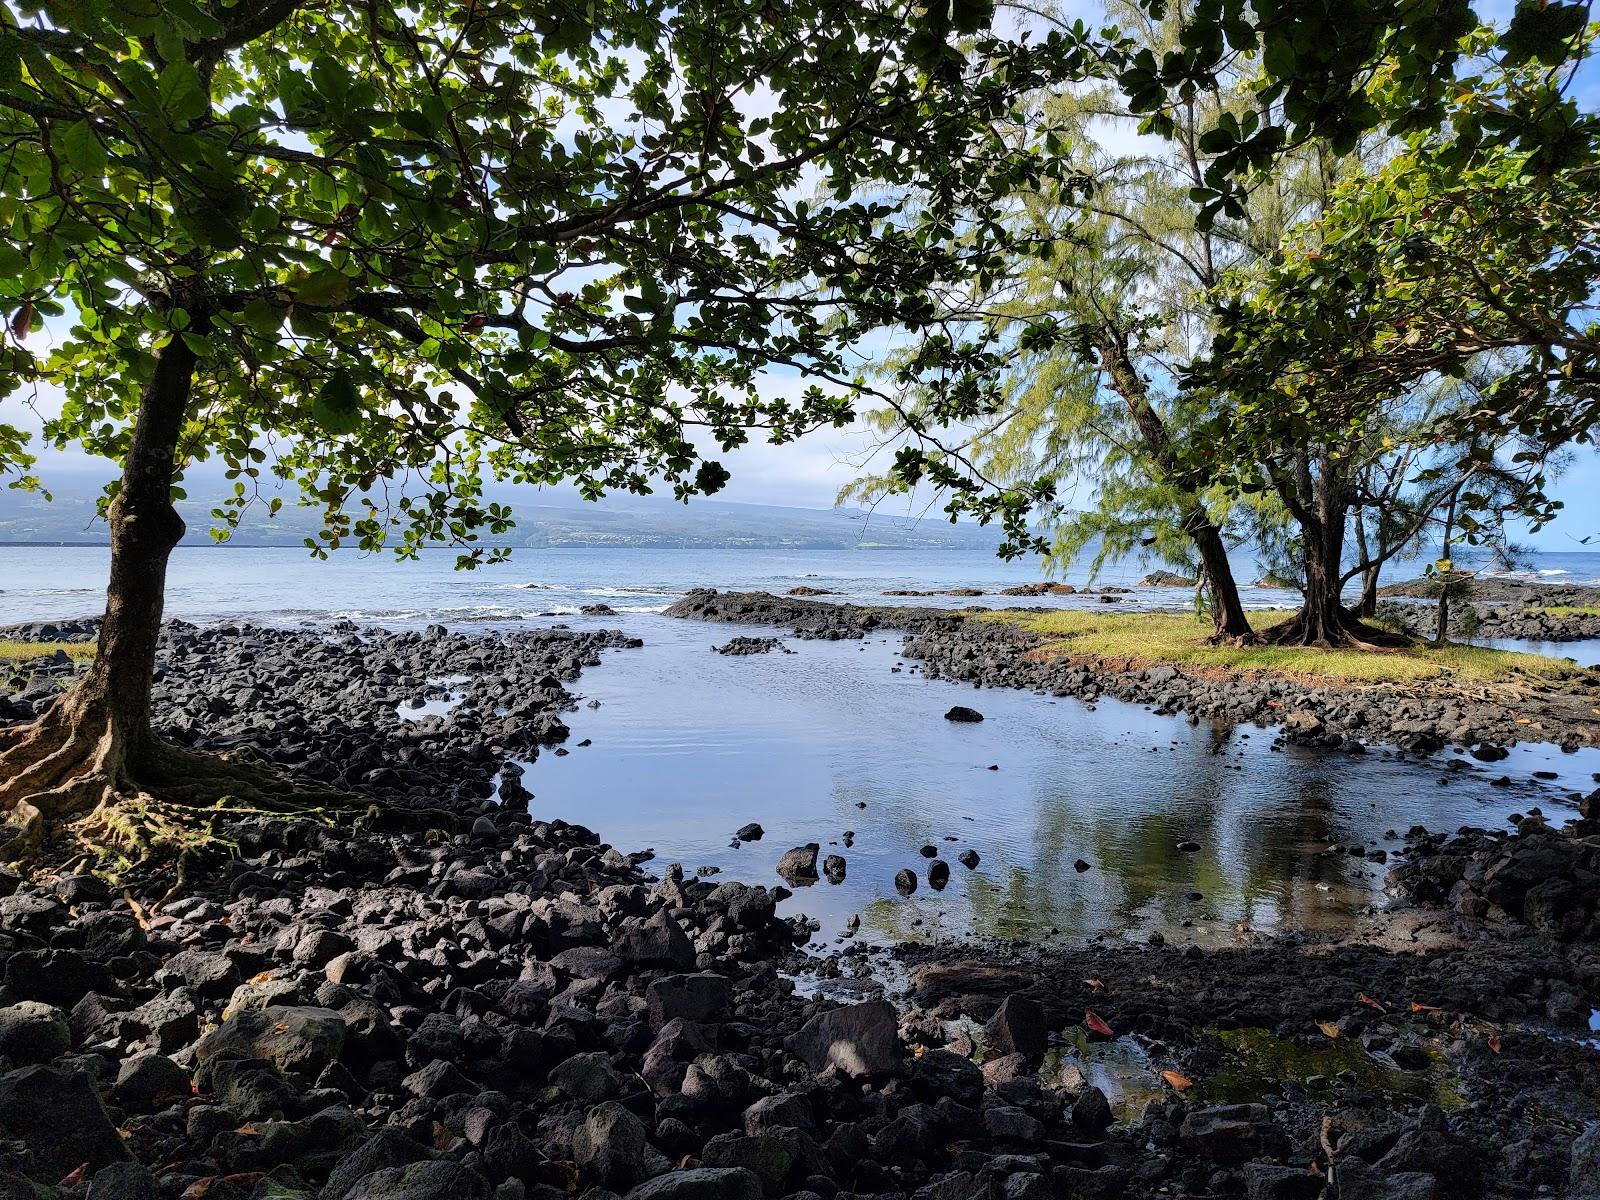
(688, 745)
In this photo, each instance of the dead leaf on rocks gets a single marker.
(1178, 1083)
(1363, 998)
(1095, 1024)
(1329, 1029)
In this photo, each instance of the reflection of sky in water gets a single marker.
(690, 745)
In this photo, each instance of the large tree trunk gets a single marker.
(1227, 611)
(96, 742)
(1320, 503)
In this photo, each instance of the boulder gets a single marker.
(31, 1032)
(296, 1039)
(700, 997)
(437, 1180)
(961, 714)
(149, 1081)
(701, 1183)
(1584, 1172)
(57, 1115)
(1232, 1133)
(610, 1145)
(122, 1181)
(386, 1148)
(1017, 1027)
(798, 867)
(860, 1040)
(1273, 1181)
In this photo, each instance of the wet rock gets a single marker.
(938, 875)
(1017, 1027)
(1231, 1134)
(750, 833)
(798, 867)
(962, 714)
(905, 881)
(969, 859)
(750, 645)
(860, 1040)
(834, 867)
(57, 1115)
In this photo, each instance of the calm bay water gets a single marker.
(689, 745)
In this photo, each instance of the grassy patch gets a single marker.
(1572, 610)
(11, 652)
(1179, 639)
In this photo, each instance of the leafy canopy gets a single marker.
(423, 243)
(1457, 252)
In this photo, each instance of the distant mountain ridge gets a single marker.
(544, 518)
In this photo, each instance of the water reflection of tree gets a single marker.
(1263, 840)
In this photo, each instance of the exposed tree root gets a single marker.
(1346, 632)
(1221, 638)
(128, 800)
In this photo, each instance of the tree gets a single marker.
(1121, 296)
(1453, 252)
(357, 244)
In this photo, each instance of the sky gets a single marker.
(810, 472)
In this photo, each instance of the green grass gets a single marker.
(1179, 639)
(1572, 610)
(23, 651)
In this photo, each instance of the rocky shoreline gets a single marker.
(1418, 717)
(1514, 609)
(504, 1006)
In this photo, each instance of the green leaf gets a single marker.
(182, 96)
(337, 406)
(711, 477)
(323, 289)
(82, 149)
(263, 315)
(1543, 31)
